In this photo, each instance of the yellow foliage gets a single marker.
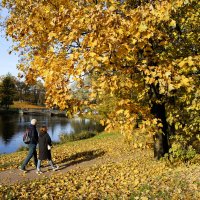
(144, 54)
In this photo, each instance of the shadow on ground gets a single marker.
(79, 158)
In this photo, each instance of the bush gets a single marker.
(77, 136)
(22, 148)
(179, 153)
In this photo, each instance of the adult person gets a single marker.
(32, 145)
(45, 149)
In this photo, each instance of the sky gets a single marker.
(7, 62)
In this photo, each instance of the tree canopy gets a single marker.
(7, 91)
(145, 54)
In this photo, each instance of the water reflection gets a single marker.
(12, 127)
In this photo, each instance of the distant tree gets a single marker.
(7, 91)
(38, 93)
(34, 93)
(21, 88)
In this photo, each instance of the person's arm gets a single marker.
(36, 136)
(49, 140)
(31, 134)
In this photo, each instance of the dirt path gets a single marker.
(12, 176)
(15, 175)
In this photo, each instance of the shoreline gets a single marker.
(33, 111)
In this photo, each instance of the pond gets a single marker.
(12, 127)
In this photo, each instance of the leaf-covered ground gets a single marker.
(25, 105)
(116, 171)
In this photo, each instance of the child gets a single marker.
(44, 149)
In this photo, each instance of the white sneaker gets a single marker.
(56, 168)
(39, 172)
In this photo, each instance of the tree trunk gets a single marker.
(161, 145)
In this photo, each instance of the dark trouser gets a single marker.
(32, 153)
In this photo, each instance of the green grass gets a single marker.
(22, 148)
(106, 135)
(77, 136)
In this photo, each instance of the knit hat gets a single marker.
(33, 121)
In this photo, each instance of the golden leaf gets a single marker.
(143, 27)
(172, 23)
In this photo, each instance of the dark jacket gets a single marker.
(33, 134)
(44, 140)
